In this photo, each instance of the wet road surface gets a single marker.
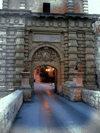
(51, 113)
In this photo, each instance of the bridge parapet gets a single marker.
(91, 97)
(9, 107)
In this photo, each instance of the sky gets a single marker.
(94, 6)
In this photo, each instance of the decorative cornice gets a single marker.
(29, 14)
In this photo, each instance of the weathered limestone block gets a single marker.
(2, 33)
(73, 43)
(10, 40)
(89, 50)
(2, 62)
(90, 71)
(90, 64)
(19, 55)
(20, 33)
(19, 69)
(20, 41)
(72, 89)
(72, 63)
(19, 62)
(25, 86)
(9, 107)
(89, 57)
(72, 57)
(72, 50)
(19, 48)
(91, 97)
(90, 85)
(11, 32)
(73, 35)
(2, 78)
(89, 37)
(2, 41)
(89, 44)
(90, 78)
(2, 71)
(72, 93)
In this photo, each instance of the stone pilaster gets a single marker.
(26, 45)
(90, 71)
(70, 5)
(85, 6)
(2, 59)
(72, 53)
(10, 58)
(5, 4)
(19, 55)
(65, 56)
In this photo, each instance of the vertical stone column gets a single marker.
(62, 72)
(2, 59)
(25, 86)
(19, 55)
(70, 5)
(26, 45)
(85, 6)
(72, 51)
(90, 72)
(5, 4)
(65, 56)
(10, 58)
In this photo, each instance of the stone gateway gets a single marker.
(59, 37)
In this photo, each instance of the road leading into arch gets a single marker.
(51, 113)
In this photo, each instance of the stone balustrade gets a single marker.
(91, 97)
(9, 107)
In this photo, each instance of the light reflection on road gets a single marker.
(50, 113)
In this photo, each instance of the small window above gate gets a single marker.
(46, 7)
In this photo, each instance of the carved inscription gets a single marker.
(46, 38)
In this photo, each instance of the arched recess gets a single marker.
(46, 55)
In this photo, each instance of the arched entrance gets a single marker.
(46, 75)
(49, 57)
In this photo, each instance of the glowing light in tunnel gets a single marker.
(47, 70)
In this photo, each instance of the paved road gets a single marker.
(50, 113)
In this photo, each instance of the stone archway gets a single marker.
(48, 56)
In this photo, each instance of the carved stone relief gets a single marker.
(46, 54)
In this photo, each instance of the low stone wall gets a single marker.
(91, 97)
(9, 107)
(72, 93)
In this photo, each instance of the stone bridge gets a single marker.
(11, 104)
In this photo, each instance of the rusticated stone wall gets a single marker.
(81, 47)
(12, 29)
(23, 34)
